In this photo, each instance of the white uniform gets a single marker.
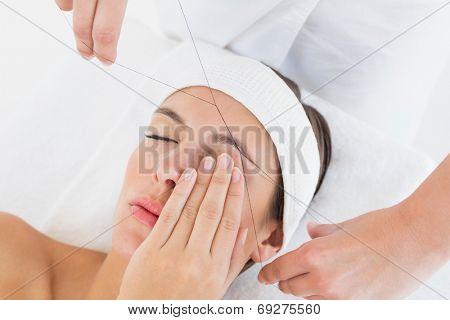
(264, 30)
(314, 42)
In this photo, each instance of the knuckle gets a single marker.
(190, 211)
(169, 216)
(310, 256)
(202, 182)
(105, 35)
(229, 224)
(210, 212)
(235, 192)
(220, 179)
(82, 32)
(178, 192)
(274, 274)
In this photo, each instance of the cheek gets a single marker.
(255, 213)
(141, 165)
(132, 171)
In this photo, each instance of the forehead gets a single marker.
(198, 107)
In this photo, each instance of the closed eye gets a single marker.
(156, 137)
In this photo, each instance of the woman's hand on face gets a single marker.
(195, 249)
(96, 25)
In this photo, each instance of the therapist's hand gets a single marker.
(368, 257)
(382, 254)
(97, 25)
(195, 249)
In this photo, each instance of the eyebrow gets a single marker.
(171, 114)
(216, 137)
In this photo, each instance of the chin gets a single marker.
(127, 238)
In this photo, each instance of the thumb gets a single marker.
(316, 230)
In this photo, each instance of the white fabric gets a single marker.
(314, 42)
(64, 153)
(246, 27)
(265, 95)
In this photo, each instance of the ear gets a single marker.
(270, 246)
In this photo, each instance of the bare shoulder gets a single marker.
(23, 257)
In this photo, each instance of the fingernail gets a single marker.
(188, 174)
(224, 161)
(236, 175)
(87, 57)
(208, 163)
(244, 236)
(312, 224)
(261, 278)
(105, 62)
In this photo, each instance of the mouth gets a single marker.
(146, 211)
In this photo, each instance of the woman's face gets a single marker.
(185, 128)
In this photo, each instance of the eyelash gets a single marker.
(156, 137)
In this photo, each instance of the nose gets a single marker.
(168, 176)
(172, 165)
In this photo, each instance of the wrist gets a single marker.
(423, 230)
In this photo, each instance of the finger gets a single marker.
(316, 230)
(238, 257)
(300, 286)
(65, 5)
(285, 267)
(106, 30)
(83, 20)
(225, 237)
(172, 209)
(210, 212)
(183, 228)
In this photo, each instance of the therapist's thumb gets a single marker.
(316, 230)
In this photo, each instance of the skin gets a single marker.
(217, 225)
(339, 263)
(96, 25)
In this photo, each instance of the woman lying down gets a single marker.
(201, 201)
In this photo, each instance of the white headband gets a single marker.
(264, 94)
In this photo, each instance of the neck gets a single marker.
(107, 281)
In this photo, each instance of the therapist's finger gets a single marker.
(225, 238)
(285, 267)
(210, 212)
(183, 228)
(106, 30)
(300, 286)
(83, 20)
(316, 230)
(65, 5)
(172, 209)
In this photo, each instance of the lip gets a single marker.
(146, 210)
